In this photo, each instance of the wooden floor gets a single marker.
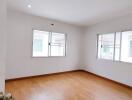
(68, 86)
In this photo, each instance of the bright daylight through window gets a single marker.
(115, 46)
(48, 44)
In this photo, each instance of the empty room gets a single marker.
(65, 49)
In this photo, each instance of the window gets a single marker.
(48, 44)
(130, 49)
(106, 46)
(40, 43)
(115, 46)
(126, 47)
(57, 44)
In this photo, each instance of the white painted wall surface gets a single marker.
(118, 71)
(2, 43)
(81, 50)
(19, 46)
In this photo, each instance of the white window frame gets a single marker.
(49, 44)
(98, 47)
(114, 47)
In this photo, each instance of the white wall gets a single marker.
(118, 71)
(81, 51)
(19, 46)
(2, 43)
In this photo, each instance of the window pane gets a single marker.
(57, 51)
(106, 46)
(58, 39)
(126, 47)
(130, 50)
(117, 46)
(40, 43)
(58, 44)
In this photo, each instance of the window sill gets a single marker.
(114, 61)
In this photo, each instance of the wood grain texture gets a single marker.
(77, 85)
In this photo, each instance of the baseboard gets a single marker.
(21, 78)
(127, 86)
(49, 74)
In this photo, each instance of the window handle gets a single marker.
(49, 43)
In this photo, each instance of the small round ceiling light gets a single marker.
(29, 6)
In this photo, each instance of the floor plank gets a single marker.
(77, 85)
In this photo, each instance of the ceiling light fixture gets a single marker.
(29, 6)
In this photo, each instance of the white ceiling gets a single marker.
(79, 12)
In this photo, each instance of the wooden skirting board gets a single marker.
(21, 78)
(109, 79)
